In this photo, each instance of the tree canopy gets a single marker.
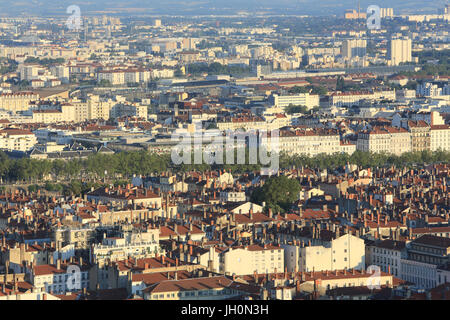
(279, 193)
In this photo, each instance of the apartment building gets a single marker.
(348, 98)
(252, 258)
(204, 288)
(354, 98)
(354, 48)
(230, 195)
(115, 77)
(62, 113)
(128, 110)
(425, 255)
(384, 139)
(18, 101)
(26, 254)
(428, 89)
(125, 196)
(80, 110)
(322, 281)
(309, 141)
(420, 135)
(344, 252)
(304, 99)
(61, 72)
(130, 244)
(59, 278)
(17, 140)
(386, 254)
(400, 51)
(440, 137)
(80, 237)
(242, 122)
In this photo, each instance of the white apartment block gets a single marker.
(440, 137)
(388, 140)
(160, 74)
(245, 123)
(310, 142)
(388, 255)
(387, 12)
(422, 274)
(303, 99)
(354, 98)
(61, 72)
(400, 51)
(345, 252)
(232, 196)
(29, 71)
(253, 258)
(354, 48)
(128, 110)
(58, 279)
(428, 89)
(80, 110)
(131, 76)
(66, 112)
(17, 140)
(136, 245)
(115, 77)
(18, 101)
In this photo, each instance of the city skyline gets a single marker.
(225, 156)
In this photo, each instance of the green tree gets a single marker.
(279, 193)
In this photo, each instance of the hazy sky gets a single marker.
(306, 7)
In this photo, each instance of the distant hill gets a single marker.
(203, 7)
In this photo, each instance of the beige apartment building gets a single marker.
(66, 113)
(135, 245)
(124, 197)
(204, 288)
(80, 237)
(388, 140)
(440, 137)
(18, 101)
(308, 141)
(400, 51)
(253, 258)
(54, 278)
(354, 98)
(345, 252)
(115, 77)
(25, 253)
(420, 135)
(15, 139)
(302, 99)
(246, 123)
(326, 280)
